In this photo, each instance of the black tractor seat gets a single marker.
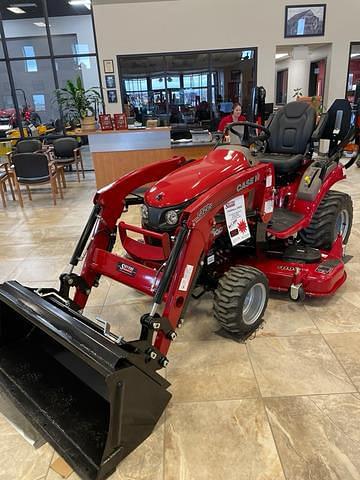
(283, 164)
(290, 135)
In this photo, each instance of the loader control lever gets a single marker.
(246, 139)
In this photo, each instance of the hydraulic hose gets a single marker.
(171, 264)
(85, 235)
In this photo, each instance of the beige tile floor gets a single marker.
(285, 405)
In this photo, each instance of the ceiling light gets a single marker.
(40, 24)
(80, 3)
(16, 10)
(24, 5)
(281, 55)
(353, 55)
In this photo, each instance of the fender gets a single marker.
(308, 208)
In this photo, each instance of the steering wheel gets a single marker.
(246, 140)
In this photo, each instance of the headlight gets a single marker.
(171, 217)
(144, 212)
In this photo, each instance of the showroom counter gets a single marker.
(117, 152)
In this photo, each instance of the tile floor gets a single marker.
(285, 405)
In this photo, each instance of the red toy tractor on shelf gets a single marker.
(247, 217)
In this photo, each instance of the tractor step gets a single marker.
(283, 220)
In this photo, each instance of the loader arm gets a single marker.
(109, 205)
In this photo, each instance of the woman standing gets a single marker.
(235, 116)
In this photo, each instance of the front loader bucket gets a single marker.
(89, 397)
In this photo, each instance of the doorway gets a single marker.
(317, 78)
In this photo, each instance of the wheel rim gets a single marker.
(342, 223)
(254, 303)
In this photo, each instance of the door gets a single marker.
(317, 78)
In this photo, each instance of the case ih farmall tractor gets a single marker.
(244, 219)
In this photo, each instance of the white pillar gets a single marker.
(266, 70)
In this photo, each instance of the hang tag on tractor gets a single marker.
(236, 221)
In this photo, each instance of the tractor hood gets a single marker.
(190, 181)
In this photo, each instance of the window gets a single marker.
(186, 87)
(39, 102)
(30, 65)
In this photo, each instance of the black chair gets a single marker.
(291, 130)
(28, 145)
(66, 152)
(33, 169)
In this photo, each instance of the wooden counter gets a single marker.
(115, 153)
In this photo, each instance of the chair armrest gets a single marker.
(5, 165)
(77, 152)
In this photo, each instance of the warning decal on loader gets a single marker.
(184, 284)
(235, 215)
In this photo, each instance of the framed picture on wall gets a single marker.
(305, 20)
(112, 96)
(108, 66)
(110, 81)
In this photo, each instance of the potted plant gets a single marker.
(297, 93)
(78, 103)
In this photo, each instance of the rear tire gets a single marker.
(241, 299)
(334, 215)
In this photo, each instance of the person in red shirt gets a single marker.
(235, 116)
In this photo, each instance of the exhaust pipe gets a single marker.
(93, 399)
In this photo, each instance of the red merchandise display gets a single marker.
(120, 121)
(105, 122)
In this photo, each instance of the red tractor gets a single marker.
(247, 217)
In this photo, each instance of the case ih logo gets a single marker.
(247, 182)
(127, 269)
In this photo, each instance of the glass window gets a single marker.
(83, 67)
(1, 49)
(136, 85)
(354, 71)
(7, 111)
(31, 65)
(39, 102)
(234, 77)
(35, 86)
(72, 68)
(71, 33)
(25, 29)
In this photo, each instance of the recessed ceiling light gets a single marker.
(24, 5)
(355, 55)
(40, 24)
(281, 55)
(16, 10)
(80, 3)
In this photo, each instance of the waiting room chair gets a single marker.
(28, 145)
(66, 152)
(34, 169)
(5, 176)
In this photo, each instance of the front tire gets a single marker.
(241, 299)
(333, 216)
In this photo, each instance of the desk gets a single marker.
(117, 152)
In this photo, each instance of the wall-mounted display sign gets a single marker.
(112, 96)
(305, 20)
(108, 66)
(110, 81)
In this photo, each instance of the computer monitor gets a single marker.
(226, 107)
